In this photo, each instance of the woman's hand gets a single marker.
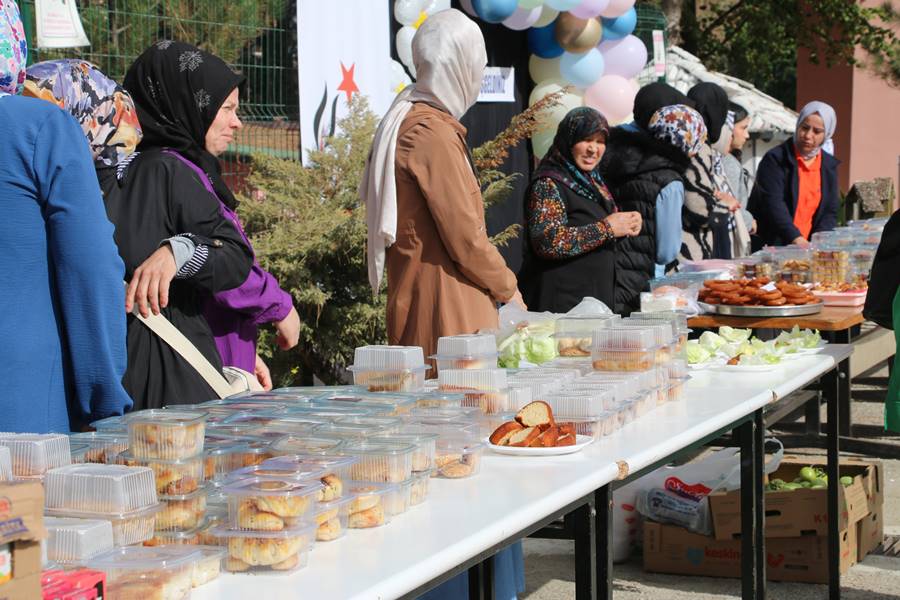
(625, 224)
(753, 228)
(728, 200)
(262, 374)
(150, 283)
(801, 241)
(288, 330)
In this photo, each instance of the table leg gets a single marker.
(603, 504)
(813, 417)
(749, 506)
(586, 543)
(481, 580)
(843, 388)
(759, 464)
(833, 388)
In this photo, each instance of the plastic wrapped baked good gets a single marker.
(624, 349)
(380, 460)
(173, 477)
(318, 444)
(182, 512)
(484, 388)
(438, 399)
(99, 488)
(73, 541)
(335, 471)
(332, 519)
(573, 333)
(421, 482)
(144, 573)
(34, 454)
(367, 509)
(102, 447)
(132, 527)
(590, 404)
(473, 351)
(260, 504)
(281, 551)
(457, 458)
(166, 434)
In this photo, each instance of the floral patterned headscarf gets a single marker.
(681, 126)
(13, 49)
(101, 106)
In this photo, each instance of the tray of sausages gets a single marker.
(758, 297)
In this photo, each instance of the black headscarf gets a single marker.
(559, 163)
(178, 90)
(711, 101)
(653, 97)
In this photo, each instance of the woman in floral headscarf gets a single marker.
(61, 319)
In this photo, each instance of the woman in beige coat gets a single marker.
(425, 211)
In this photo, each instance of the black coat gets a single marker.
(773, 200)
(885, 278)
(636, 167)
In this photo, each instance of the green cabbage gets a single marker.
(697, 354)
(734, 336)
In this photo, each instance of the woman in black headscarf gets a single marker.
(653, 97)
(572, 220)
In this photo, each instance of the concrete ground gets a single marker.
(550, 566)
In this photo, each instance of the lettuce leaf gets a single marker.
(735, 336)
(697, 354)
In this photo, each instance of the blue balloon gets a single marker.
(542, 41)
(582, 70)
(494, 11)
(624, 24)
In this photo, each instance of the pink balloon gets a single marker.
(612, 95)
(589, 8)
(616, 8)
(625, 57)
(523, 18)
(467, 6)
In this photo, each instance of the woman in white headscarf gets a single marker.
(796, 191)
(425, 211)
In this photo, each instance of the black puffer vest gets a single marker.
(636, 168)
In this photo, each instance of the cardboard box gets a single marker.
(22, 525)
(870, 533)
(799, 512)
(669, 549)
(22, 588)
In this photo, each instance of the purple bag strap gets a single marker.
(200, 172)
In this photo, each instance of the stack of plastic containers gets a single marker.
(628, 349)
(124, 496)
(831, 258)
(475, 351)
(6, 472)
(678, 376)
(73, 541)
(592, 411)
(666, 335)
(34, 454)
(573, 333)
(679, 323)
(387, 404)
(102, 447)
(485, 388)
(389, 368)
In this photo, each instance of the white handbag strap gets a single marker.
(168, 333)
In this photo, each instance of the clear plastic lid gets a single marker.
(266, 418)
(466, 346)
(232, 405)
(280, 429)
(255, 487)
(114, 424)
(302, 444)
(148, 512)
(304, 530)
(626, 339)
(281, 471)
(103, 447)
(331, 413)
(350, 431)
(453, 412)
(582, 405)
(155, 559)
(487, 380)
(71, 541)
(582, 325)
(666, 331)
(368, 400)
(519, 395)
(538, 387)
(34, 454)
(367, 358)
(582, 365)
(166, 418)
(6, 472)
(99, 488)
(385, 424)
(679, 318)
(316, 390)
(311, 462)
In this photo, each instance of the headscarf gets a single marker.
(711, 101)
(101, 106)
(680, 126)
(559, 163)
(178, 90)
(828, 117)
(449, 55)
(653, 97)
(13, 49)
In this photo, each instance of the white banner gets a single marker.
(344, 49)
(58, 24)
(498, 85)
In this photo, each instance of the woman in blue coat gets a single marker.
(62, 299)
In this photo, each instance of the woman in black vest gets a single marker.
(572, 220)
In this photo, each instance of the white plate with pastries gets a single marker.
(581, 442)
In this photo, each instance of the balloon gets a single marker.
(619, 27)
(562, 4)
(550, 118)
(494, 11)
(399, 78)
(548, 15)
(530, 3)
(581, 70)
(542, 41)
(626, 57)
(612, 95)
(577, 35)
(523, 18)
(541, 142)
(433, 6)
(407, 11)
(404, 47)
(589, 8)
(617, 8)
(467, 6)
(542, 69)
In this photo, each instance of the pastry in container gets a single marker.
(624, 349)
(74, 541)
(99, 488)
(314, 444)
(470, 351)
(421, 481)
(678, 320)
(102, 447)
(129, 527)
(173, 477)
(666, 335)
(438, 399)
(260, 504)
(273, 552)
(332, 518)
(33, 454)
(182, 512)
(158, 573)
(627, 413)
(389, 368)
(335, 471)
(166, 434)
(208, 566)
(221, 458)
(573, 333)
(382, 460)
(189, 537)
(595, 427)
(423, 456)
(587, 405)
(6, 472)
(283, 471)
(483, 388)
(458, 457)
(368, 504)
(268, 418)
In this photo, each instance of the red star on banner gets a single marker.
(348, 86)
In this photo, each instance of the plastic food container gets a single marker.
(388, 357)
(6, 472)
(102, 447)
(190, 537)
(458, 458)
(368, 507)
(518, 396)
(268, 504)
(270, 552)
(285, 471)
(861, 260)
(268, 418)
(423, 456)
(794, 264)
(230, 406)
(182, 512)
(830, 265)
(349, 431)
(389, 368)
(115, 424)
(485, 389)
(381, 424)
(582, 365)
(168, 434)
(582, 405)
(418, 492)
(173, 477)
(332, 519)
(604, 424)
(445, 426)
(384, 380)
(573, 333)
(220, 459)
(387, 404)
(208, 566)
(335, 471)
(146, 572)
(314, 390)
(330, 413)
(380, 461)
(34, 454)
(627, 413)
(475, 351)
(484, 425)
(299, 444)
(99, 488)
(624, 349)
(131, 527)
(73, 541)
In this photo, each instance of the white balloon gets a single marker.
(433, 6)
(551, 117)
(530, 3)
(404, 47)
(399, 78)
(542, 69)
(408, 11)
(547, 16)
(523, 18)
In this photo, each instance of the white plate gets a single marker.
(816, 350)
(581, 442)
